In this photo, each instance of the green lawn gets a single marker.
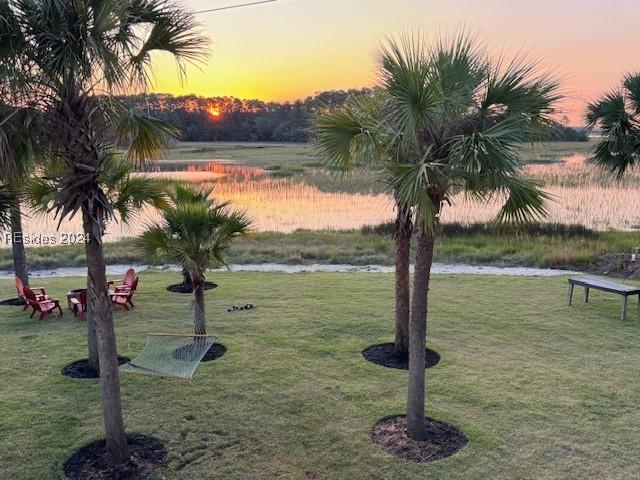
(543, 391)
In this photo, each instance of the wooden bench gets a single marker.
(606, 286)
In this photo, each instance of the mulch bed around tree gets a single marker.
(81, 369)
(14, 302)
(443, 439)
(185, 288)
(383, 354)
(90, 462)
(215, 351)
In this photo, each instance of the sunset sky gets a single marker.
(293, 48)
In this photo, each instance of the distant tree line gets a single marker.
(565, 133)
(233, 119)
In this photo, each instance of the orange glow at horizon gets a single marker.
(292, 49)
(215, 112)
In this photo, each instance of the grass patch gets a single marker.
(542, 390)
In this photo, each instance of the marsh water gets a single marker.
(579, 194)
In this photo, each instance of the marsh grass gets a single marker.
(546, 245)
(283, 187)
(542, 390)
(297, 189)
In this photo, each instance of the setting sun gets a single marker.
(215, 112)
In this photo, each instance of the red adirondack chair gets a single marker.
(122, 295)
(43, 306)
(79, 304)
(39, 292)
(127, 281)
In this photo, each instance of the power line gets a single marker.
(236, 6)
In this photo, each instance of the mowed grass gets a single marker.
(543, 391)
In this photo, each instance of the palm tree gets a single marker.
(617, 114)
(447, 120)
(127, 193)
(19, 130)
(355, 137)
(74, 55)
(182, 194)
(463, 115)
(195, 232)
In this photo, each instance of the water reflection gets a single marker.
(274, 204)
(198, 171)
(582, 194)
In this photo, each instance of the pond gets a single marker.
(579, 194)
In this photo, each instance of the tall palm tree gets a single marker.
(617, 113)
(127, 193)
(463, 115)
(445, 120)
(19, 128)
(355, 137)
(195, 232)
(75, 55)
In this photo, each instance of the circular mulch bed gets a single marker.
(185, 288)
(443, 439)
(215, 351)
(81, 369)
(90, 462)
(14, 302)
(383, 354)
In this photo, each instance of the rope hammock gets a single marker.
(170, 355)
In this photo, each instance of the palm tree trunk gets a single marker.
(186, 278)
(402, 234)
(17, 246)
(92, 336)
(417, 336)
(200, 320)
(98, 299)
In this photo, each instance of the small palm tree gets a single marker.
(194, 233)
(72, 57)
(617, 114)
(182, 194)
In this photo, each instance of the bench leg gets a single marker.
(624, 307)
(570, 296)
(586, 295)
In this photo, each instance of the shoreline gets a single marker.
(437, 269)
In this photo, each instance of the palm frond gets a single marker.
(619, 148)
(146, 137)
(174, 30)
(631, 84)
(351, 136)
(525, 201)
(195, 230)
